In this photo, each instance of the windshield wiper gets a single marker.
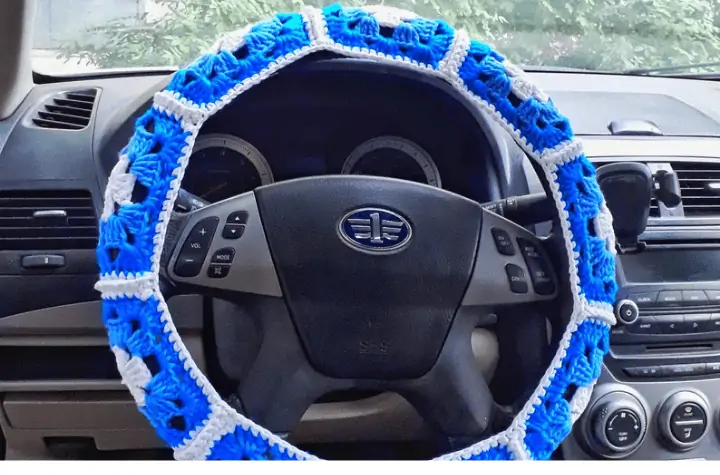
(677, 69)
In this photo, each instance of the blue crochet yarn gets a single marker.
(136, 327)
(418, 40)
(172, 399)
(583, 198)
(213, 75)
(551, 422)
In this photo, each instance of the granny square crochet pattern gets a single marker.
(155, 365)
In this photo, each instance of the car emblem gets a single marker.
(375, 230)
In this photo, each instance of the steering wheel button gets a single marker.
(233, 231)
(516, 278)
(188, 265)
(192, 255)
(537, 266)
(200, 237)
(223, 256)
(237, 217)
(503, 243)
(218, 271)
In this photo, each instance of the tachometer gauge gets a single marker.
(222, 166)
(393, 157)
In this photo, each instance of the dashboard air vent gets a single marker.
(699, 187)
(67, 111)
(34, 220)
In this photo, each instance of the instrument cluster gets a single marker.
(224, 165)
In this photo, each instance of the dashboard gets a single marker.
(321, 122)
(328, 117)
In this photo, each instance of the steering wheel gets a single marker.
(355, 281)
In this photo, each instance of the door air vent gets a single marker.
(67, 111)
(35, 220)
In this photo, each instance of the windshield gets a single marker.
(602, 35)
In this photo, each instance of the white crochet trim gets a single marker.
(600, 311)
(522, 85)
(563, 153)
(223, 419)
(517, 448)
(220, 423)
(604, 228)
(579, 402)
(179, 108)
(112, 286)
(389, 16)
(119, 188)
(498, 440)
(232, 42)
(456, 55)
(135, 374)
(314, 24)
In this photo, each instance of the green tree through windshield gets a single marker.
(589, 34)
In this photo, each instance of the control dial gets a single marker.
(683, 420)
(627, 312)
(617, 425)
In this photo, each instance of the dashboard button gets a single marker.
(237, 217)
(714, 323)
(223, 256)
(516, 278)
(683, 420)
(669, 324)
(688, 422)
(669, 298)
(195, 249)
(218, 271)
(503, 243)
(696, 322)
(643, 371)
(713, 296)
(694, 297)
(644, 298)
(540, 272)
(233, 231)
(712, 368)
(623, 428)
(627, 312)
(689, 369)
(645, 326)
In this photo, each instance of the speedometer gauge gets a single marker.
(393, 157)
(222, 166)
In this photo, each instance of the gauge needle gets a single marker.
(213, 190)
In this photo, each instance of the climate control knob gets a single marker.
(627, 312)
(683, 420)
(617, 425)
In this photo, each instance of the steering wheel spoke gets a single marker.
(453, 395)
(222, 248)
(511, 267)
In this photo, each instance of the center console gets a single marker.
(659, 393)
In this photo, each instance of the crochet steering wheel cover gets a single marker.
(170, 390)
